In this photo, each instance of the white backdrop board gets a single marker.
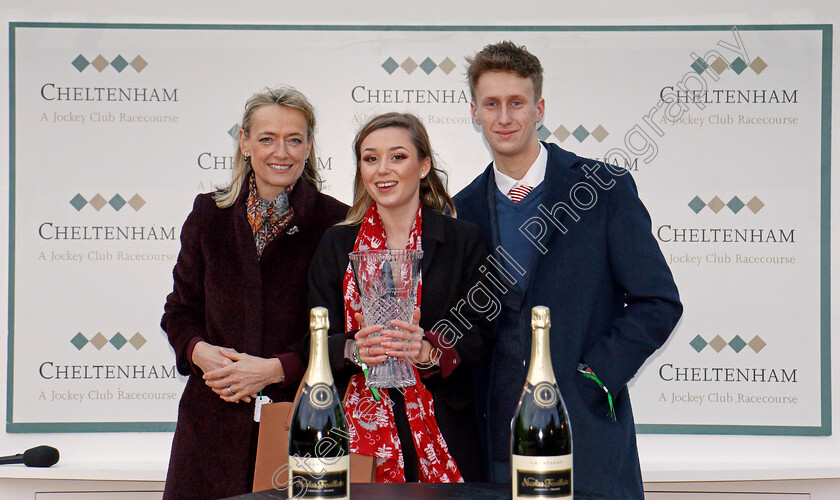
(115, 127)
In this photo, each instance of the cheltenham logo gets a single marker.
(99, 341)
(719, 65)
(409, 65)
(580, 133)
(100, 63)
(718, 344)
(716, 204)
(116, 202)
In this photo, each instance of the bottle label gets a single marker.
(321, 396)
(326, 477)
(545, 394)
(541, 477)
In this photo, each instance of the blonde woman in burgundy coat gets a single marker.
(238, 308)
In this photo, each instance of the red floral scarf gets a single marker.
(371, 423)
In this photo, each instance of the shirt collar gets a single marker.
(533, 177)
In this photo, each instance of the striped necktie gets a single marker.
(516, 194)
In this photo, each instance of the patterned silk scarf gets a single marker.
(267, 218)
(371, 423)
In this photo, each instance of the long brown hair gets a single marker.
(432, 187)
(282, 96)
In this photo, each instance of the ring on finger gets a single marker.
(229, 391)
(367, 352)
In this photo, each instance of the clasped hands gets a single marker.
(410, 344)
(235, 376)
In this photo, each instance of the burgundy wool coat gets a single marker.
(228, 296)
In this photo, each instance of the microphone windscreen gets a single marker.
(40, 456)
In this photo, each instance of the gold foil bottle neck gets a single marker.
(319, 319)
(318, 371)
(540, 369)
(540, 317)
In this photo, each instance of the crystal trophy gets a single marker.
(387, 284)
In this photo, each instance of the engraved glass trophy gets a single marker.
(387, 284)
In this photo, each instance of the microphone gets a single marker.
(39, 456)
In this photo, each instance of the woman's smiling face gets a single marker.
(391, 168)
(278, 145)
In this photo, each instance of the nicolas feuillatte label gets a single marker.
(326, 477)
(541, 477)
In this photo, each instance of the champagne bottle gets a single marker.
(541, 436)
(319, 444)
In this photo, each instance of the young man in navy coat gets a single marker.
(569, 233)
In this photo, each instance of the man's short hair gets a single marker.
(506, 57)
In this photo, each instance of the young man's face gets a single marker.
(508, 112)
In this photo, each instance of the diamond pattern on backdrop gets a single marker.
(409, 65)
(446, 65)
(716, 204)
(119, 64)
(98, 202)
(100, 63)
(428, 65)
(99, 341)
(719, 65)
(737, 343)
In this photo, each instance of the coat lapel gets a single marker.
(432, 235)
(491, 219)
(557, 186)
(475, 208)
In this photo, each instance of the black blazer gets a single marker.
(456, 312)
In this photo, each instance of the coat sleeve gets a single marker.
(183, 317)
(326, 289)
(465, 334)
(652, 303)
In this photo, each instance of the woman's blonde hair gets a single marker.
(432, 187)
(282, 96)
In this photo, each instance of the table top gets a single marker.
(408, 491)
